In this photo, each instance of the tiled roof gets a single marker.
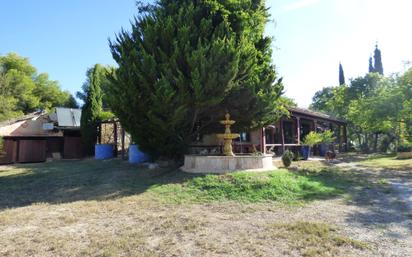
(314, 114)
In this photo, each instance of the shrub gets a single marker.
(103, 116)
(313, 138)
(405, 147)
(287, 158)
(297, 157)
(327, 137)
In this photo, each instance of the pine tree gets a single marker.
(378, 61)
(341, 75)
(91, 109)
(184, 64)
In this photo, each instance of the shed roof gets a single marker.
(29, 116)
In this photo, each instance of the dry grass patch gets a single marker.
(315, 239)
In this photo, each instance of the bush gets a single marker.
(287, 158)
(405, 147)
(327, 137)
(297, 156)
(313, 138)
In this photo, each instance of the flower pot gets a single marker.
(305, 151)
(323, 148)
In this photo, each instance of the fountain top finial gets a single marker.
(227, 116)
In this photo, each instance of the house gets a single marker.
(287, 133)
(38, 136)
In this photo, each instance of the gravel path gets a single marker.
(404, 190)
(382, 215)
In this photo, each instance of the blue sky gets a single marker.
(64, 38)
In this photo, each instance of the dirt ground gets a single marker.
(368, 221)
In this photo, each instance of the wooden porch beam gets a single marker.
(298, 129)
(263, 147)
(282, 133)
(345, 138)
(340, 138)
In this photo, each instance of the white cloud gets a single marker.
(300, 4)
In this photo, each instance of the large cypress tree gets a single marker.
(341, 75)
(185, 63)
(378, 67)
(91, 109)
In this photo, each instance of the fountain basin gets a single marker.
(226, 164)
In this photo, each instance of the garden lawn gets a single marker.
(61, 182)
(111, 208)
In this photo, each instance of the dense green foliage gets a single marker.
(104, 84)
(378, 109)
(405, 147)
(92, 108)
(22, 90)
(287, 158)
(185, 63)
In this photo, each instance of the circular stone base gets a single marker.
(225, 164)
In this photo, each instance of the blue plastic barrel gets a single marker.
(137, 156)
(103, 151)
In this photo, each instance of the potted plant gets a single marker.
(405, 150)
(311, 139)
(326, 139)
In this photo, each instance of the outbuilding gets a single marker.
(39, 136)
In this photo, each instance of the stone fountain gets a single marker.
(227, 136)
(228, 162)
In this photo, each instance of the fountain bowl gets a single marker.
(227, 136)
(224, 164)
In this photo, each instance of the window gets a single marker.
(244, 137)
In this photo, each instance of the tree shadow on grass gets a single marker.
(381, 205)
(371, 190)
(69, 181)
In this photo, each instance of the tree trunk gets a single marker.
(366, 143)
(375, 144)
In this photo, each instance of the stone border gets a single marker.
(404, 155)
(225, 164)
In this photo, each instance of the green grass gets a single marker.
(280, 185)
(69, 181)
(388, 162)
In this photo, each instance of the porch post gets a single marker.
(115, 138)
(340, 138)
(298, 129)
(282, 135)
(123, 150)
(99, 138)
(263, 147)
(345, 137)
